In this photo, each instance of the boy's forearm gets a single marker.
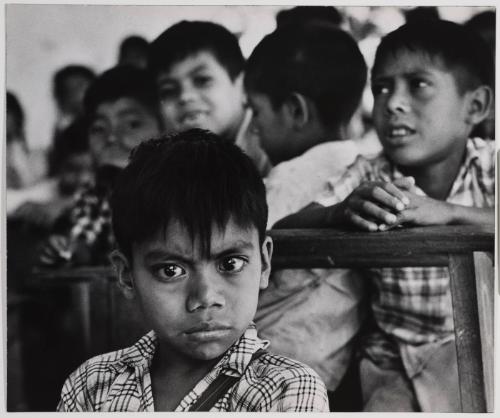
(312, 216)
(465, 215)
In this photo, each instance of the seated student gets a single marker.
(310, 315)
(192, 251)
(69, 86)
(121, 105)
(198, 67)
(428, 95)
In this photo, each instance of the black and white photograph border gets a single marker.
(55, 319)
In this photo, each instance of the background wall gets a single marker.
(42, 38)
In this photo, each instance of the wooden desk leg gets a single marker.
(467, 335)
(485, 287)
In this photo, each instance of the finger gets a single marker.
(369, 209)
(407, 183)
(361, 222)
(388, 195)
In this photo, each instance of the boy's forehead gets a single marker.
(194, 61)
(408, 61)
(176, 238)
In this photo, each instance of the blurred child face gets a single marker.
(197, 92)
(200, 305)
(273, 127)
(74, 91)
(76, 171)
(117, 128)
(419, 114)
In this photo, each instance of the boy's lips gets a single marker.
(398, 134)
(208, 331)
(193, 118)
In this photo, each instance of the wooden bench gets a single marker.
(460, 248)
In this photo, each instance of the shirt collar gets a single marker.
(235, 360)
(389, 172)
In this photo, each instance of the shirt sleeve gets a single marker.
(337, 189)
(305, 393)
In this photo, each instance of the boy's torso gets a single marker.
(121, 381)
(414, 304)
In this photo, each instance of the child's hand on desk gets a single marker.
(374, 206)
(425, 211)
(56, 251)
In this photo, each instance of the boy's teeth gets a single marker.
(399, 131)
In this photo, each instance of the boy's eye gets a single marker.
(169, 271)
(167, 92)
(202, 80)
(232, 264)
(97, 129)
(133, 124)
(378, 89)
(419, 83)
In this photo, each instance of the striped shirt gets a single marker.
(413, 305)
(121, 381)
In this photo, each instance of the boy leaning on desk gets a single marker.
(430, 87)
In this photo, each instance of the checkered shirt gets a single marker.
(91, 216)
(413, 305)
(121, 381)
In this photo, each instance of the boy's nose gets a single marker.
(187, 93)
(398, 101)
(203, 293)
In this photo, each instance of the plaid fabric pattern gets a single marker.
(121, 381)
(413, 305)
(91, 217)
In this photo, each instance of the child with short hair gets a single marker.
(303, 84)
(429, 95)
(198, 68)
(189, 215)
(121, 105)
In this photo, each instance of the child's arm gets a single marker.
(424, 210)
(371, 206)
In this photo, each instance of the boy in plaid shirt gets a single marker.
(189, 215)
(429, 94)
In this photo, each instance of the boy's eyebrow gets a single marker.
(156, 253)
(412, 73)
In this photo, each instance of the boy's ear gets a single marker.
(266, 255)
(298, 109)
(480, 102)
(124, 273)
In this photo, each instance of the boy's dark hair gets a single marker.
(300, 15)
(190, 37)
(67, 72)
(322, 63)
(421, 14)
(13, 106)
(118, 82)
(195, 177)
(460, 50)
(132, 44)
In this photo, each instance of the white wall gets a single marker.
(42, 38)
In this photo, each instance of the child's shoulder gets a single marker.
(284, 385)
(106, 366)
(281, 368)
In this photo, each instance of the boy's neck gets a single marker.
(436, 180)
(174, 375)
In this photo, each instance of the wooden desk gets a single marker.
(455, 247)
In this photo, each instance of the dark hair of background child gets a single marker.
(191, 37)
(321, 62)
(458, 48)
